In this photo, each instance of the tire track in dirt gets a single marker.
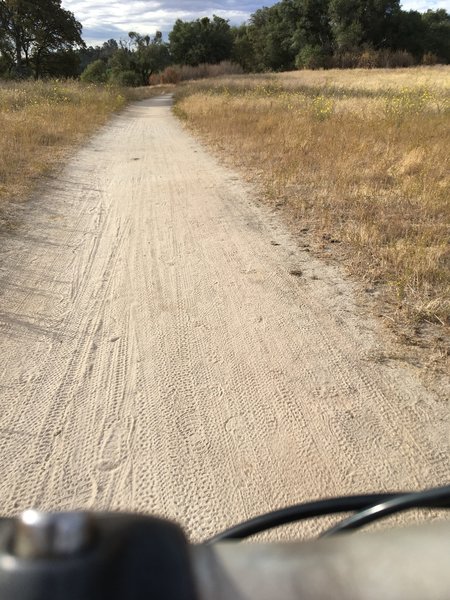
(158, 355)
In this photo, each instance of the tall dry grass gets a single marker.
(41, 121)
(361, 158)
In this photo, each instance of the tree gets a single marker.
(63, 63)
(355, 23)
(7, 52)
(129, 63)
(437, 33)
(121, 67)
(288, 32)
(107, 49)
(202, 41)
(5, 65)
(242, 52)
(270, 31)
(30, 30)
(306, 33)
(410, 33)
(90, 54)
(312, 26)
(312, 39)
(56, 29)
(136, 60)
(149, 56)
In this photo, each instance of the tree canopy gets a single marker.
(131, 62)
(202, 41)
(308, 32)
(30, 31)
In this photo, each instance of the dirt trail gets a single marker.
(157, 353)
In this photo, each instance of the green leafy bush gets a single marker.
(310, 57)
(125, 79)
(96, 72)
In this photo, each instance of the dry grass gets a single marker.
(41, 122)
(437, 77)
(367, 82)
(359, 157)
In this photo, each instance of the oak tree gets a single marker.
(30, 30)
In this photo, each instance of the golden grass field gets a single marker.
(41, 121)
(360, 157)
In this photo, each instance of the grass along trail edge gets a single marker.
(365, 169)
(42, 121)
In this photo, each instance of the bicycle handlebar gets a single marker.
(128, 557)
(400, 564)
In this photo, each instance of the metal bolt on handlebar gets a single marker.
(51, 535)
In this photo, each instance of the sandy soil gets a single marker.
(166, 347)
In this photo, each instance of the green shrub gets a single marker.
(95, 72)
(125, 78)
(310, 57)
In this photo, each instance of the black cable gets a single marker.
(299, 512)
(433, 498)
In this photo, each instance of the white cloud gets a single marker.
(103, 19)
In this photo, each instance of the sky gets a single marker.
(106, 19)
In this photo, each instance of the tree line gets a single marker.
(40, 38)
(317, 33)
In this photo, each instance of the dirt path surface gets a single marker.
(165, 347)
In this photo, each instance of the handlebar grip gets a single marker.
(411, 563)
(111, 557)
